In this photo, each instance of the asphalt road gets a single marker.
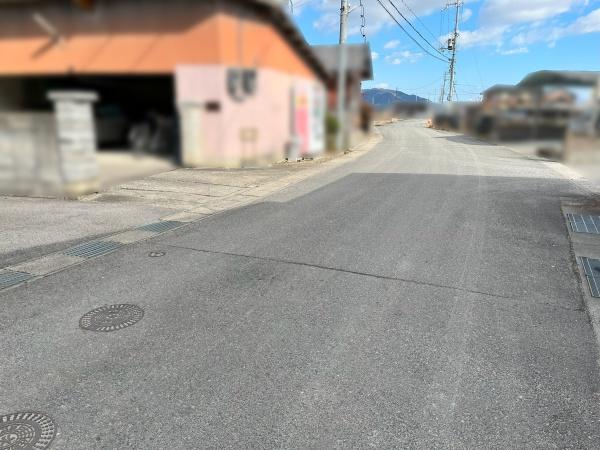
(421, 296)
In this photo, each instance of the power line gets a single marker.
(420, 21)
(410, 36)
(416, 31)
(437, 80)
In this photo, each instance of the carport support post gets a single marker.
(76, 136)
(190, 118)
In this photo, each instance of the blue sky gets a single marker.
(501, 40)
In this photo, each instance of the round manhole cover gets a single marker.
(111, 318)
(156, 254)
(28, 430)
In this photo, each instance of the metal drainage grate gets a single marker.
(584, 223)
(26, 430)
(92, 248)
(159, 227)
(111, 318)
(9, 278)
(592, 273)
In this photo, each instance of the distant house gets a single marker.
(539, 107)
(227, 82)
(359, 69)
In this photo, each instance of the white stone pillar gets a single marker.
(76, 135)
(190, 117)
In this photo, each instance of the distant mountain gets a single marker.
(384, 97)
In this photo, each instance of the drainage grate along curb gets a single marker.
(111, 318)
(26, 430)
(159, 227)
(92, 248)
(584, 223)
(592, 273)
(9, 278)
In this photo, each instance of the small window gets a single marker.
(241, 83)
(234, 84)
(249, 82)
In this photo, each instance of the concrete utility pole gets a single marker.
(342, 64)
(443, 90)
(452, 47)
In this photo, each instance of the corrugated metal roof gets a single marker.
(273, 10)
(359, 59)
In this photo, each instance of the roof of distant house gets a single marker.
(359, 59)
(561, 77)
(502, 88)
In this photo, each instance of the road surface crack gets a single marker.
(365, 274)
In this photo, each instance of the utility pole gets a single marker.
(452, 47)
(443, 90)
(342, 64)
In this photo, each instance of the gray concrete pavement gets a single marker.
(421, 296)
(36, 227)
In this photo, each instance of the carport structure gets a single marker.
(235, 77)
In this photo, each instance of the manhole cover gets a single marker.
(111, 318)
(27, 430)
(156, 254)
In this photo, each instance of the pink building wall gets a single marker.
(284, 108)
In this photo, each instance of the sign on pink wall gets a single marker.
(309, 115)
(302, 119)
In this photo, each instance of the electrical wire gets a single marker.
(420, 21)
(419, 88)
(445, 60)
(416, 31)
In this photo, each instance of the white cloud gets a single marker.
(374, 56)
(511, 12)
(467, 14)
(391, 44)
(522, 23)
(481, 37)
(404, 56)
(382, 85)
(514, 51)
(589, 23)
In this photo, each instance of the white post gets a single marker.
(76, 140)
